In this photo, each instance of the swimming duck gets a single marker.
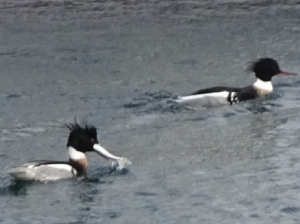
(264, 69)
(80, 141)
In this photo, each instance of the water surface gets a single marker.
(117, 63)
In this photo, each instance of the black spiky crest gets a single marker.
(264, 68)
(81, 137)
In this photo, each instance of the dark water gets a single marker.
(118, 63)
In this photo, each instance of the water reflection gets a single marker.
(15, 188)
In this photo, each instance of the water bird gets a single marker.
(264, 69)
(80, 141)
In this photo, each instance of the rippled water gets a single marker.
(119, 64)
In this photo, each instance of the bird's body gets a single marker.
(264, 70)
(80, 141)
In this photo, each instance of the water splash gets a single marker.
(161, 101)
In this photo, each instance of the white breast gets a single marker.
(75, 154)
(263, 87)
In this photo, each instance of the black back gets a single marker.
(75, 166)
(234, 94)
(216, 89)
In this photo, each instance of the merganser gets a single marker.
(80, 141)
(264, 69)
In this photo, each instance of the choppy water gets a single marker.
(118, 64)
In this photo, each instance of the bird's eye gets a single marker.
(92, 140)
